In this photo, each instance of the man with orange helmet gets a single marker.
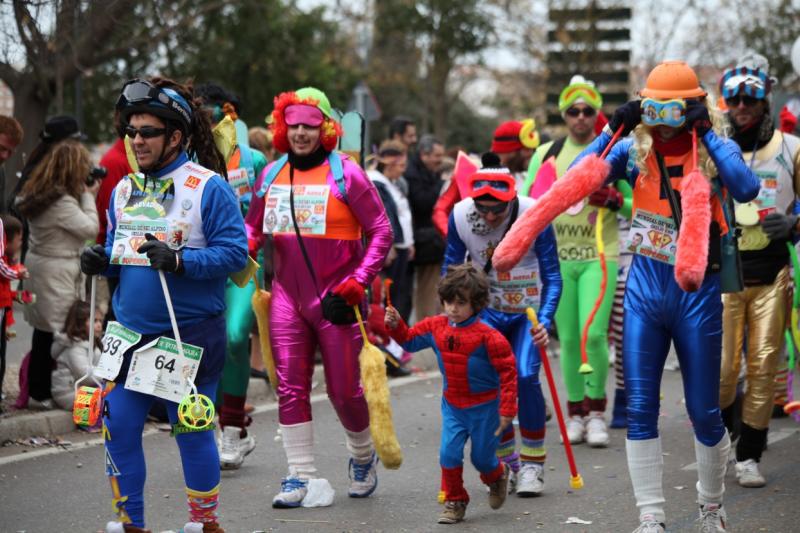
(657, 309)
(476, 226)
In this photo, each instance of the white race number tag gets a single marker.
(116, 341)
(158, 369)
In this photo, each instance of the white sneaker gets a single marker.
(596, 431)
(747, 474)
(233, 448)
(192, 527)
(115, 527)
(530, 480)
(575, 429)
(363, 477)
(712, 519)
(649, 524)
(293, 490)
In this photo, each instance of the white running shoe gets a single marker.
(649, 524)
(747, 474)
(575, 429)
(363, 477)
(530, 480)
(596, 430)
(712, 519)
(233, 448)
(293, 490)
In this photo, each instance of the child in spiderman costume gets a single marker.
(480, 384)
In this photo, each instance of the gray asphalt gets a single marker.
(67, 491)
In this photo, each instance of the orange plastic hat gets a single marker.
(672, 79)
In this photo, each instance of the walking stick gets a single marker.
(575, 481)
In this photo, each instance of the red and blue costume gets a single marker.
(480, 385)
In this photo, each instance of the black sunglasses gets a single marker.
(574, 112)
(147, 132)
(748, 101)
(497, 209)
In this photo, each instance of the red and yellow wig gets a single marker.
(330, 131)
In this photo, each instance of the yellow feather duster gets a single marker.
(376, 391)
(261, 300)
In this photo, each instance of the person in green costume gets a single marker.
(581, 270)
(244, 165)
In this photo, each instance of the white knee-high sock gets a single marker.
(359, 444)
(298, 443)
(712, 461)
(646, 467)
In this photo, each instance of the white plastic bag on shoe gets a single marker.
(320, 493)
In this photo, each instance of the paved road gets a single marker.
(67, 491)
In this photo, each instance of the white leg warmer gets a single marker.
(646, 467)
(298, 442)
(360, 445)
(712, 461)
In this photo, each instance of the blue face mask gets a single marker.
(670, 113)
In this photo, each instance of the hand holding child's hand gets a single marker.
(23, 273)
(504, 422)
(391, 318)
(540, 336)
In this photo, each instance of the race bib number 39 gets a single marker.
(117, 340)
(158, 369)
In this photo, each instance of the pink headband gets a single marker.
(306, 115)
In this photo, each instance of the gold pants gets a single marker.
(760, 312)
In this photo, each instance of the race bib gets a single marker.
(653, 236)
(129, 236)
(116, 341)
(515, 291)
(158, 369)
(310, 204)
(239, 182)
(753, 212)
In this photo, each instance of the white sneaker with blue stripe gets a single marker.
(363, 477)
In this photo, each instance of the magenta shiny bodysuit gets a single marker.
(297, 326)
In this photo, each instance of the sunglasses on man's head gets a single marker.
(147, 132)
(577, 111)
(748, 101)
(497, 209)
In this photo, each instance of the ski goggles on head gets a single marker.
(743, 80)
(137, 92)
(499, 186)
(670, 113)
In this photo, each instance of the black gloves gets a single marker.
(94, 260)
(779, 226)
(606, 197)
(697, 117)
(627, 115)
(161, 256)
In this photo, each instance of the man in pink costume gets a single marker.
(332, 204)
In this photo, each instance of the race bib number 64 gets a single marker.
(158, 369)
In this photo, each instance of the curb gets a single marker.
(58, 422)
(43, 423)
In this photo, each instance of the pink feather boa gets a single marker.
(691, 259)
(578, 183)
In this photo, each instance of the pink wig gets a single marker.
(692, 256)
(578, 183)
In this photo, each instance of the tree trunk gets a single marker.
(31, 113)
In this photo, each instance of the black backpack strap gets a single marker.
(669, 192)
(513, 218)
(555, 149)
(297, 232)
